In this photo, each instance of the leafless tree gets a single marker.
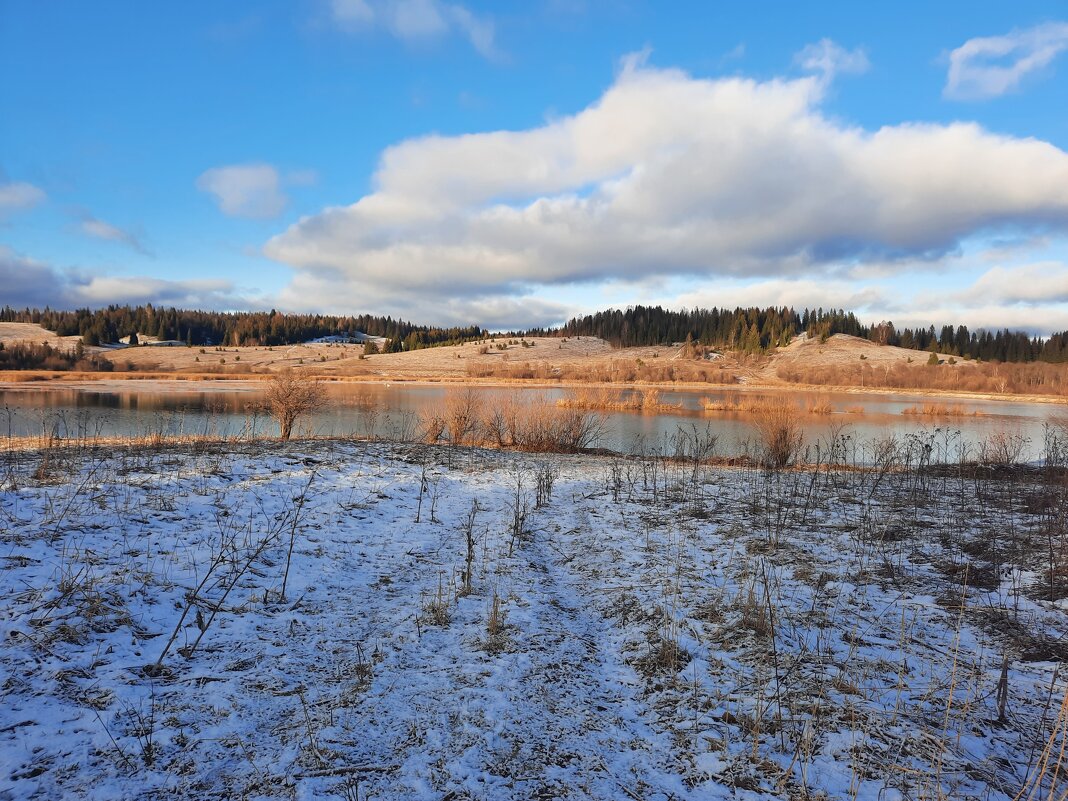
(290, 395)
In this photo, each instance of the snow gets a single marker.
(635, 660)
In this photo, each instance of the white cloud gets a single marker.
(669, 175)
(828, 59)
(16, 196)
(245, 190)
(801, 293)
(102, 290)
(1029, 284)
(1038, 321)
(415, 21)
(351, 14)
(28, 282)
(991, 66)
(98, 229)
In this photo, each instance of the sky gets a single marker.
(514, 164)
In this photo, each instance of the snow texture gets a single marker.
(665, 630)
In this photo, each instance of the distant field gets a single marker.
(841, 361)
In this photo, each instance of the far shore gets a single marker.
(251, 382)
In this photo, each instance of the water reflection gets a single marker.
(393, 411)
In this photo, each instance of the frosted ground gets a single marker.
(643, 629)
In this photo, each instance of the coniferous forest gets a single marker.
(109, 325)
(756, 330)
(750, 330)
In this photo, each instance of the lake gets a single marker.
(393, 410)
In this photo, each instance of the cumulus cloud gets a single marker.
(670, 175)
(1029, 284)
(1038, 321)
(18, 195)
(98, 229)
(802, 293)
(101, 290)
(415, 21)
(519, 307)
(990, 66)
(245, 190)
(1027, 297)
(29, 282)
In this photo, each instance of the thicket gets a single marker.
(42, 356)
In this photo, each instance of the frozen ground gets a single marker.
(633, 629)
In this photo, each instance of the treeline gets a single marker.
(109, 325)
(42, 356)
(751, 330)
(754, 330)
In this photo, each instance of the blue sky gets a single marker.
(513, 164)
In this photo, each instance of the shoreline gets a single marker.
(209, 382)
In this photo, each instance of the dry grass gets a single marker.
(965, 376)
(778, 425)
(940, 410)
(789, 650)
(820, 406)
(648, 400)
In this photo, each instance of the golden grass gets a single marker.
(987, 378)
(940, 410)
(608, 399)
(820, 406)
(736, 404)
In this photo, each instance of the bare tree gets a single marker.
(289, 396)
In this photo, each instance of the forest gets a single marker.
(754, 330)
(108, 325)
(749, 330)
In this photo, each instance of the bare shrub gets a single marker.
(500, 422)
(778, 425)
(432, 427)
(290, 396)
(1002, 448)
(541, 426)
(463, 410)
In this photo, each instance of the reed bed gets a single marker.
(941, 410)
(647, 400)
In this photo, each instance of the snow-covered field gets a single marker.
(264, 621)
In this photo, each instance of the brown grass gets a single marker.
(985, 378)
(820, 406)
(940, 410)
(778, 425)
(735, 403)
(608, 399)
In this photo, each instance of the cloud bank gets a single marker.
(31, 283)
(667, 175)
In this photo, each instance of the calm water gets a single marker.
(393, 410)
